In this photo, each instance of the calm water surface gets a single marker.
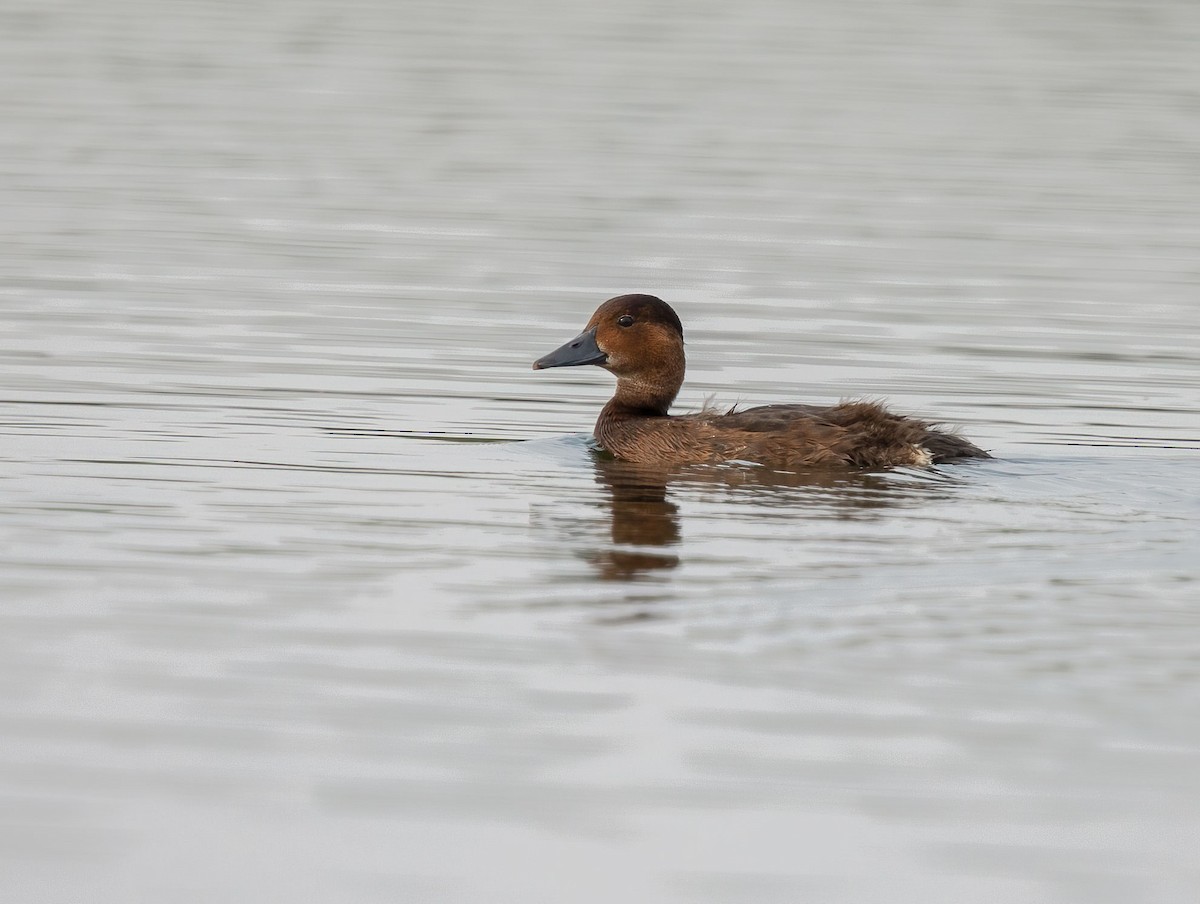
(312, 590)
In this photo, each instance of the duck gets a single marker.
(639, 339)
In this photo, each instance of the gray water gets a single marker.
(312, 590)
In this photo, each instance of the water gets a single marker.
(312, 590)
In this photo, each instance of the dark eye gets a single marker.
(625, 320)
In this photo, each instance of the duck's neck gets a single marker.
(642, 397)
(637, 404)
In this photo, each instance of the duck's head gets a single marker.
(639, 339)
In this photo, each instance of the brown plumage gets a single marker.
(639, 339)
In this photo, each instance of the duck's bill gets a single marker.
(580, 350)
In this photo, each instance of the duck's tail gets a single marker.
(944, 447)
(875, 437)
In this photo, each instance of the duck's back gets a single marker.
(855, 434)
(863, 434)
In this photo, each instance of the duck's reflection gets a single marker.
(646, 523)
(642, 517)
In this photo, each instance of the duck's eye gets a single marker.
(625, 320)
